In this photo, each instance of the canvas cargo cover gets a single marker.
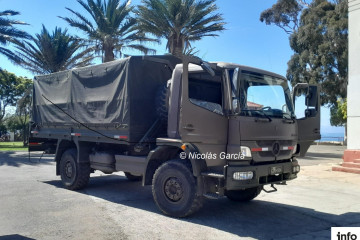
(117, 94)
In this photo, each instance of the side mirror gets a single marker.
(206, 66)
(311, 96)
(198, 61)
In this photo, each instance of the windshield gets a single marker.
(261, 95)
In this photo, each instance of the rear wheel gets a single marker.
(74, 175)
(174, 189)
(243, 195)
(132, 177)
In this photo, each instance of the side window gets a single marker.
(206, 94)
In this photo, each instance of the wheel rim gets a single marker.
(173, 189)
(68, 169)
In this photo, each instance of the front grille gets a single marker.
(283, 153)
(269, 144)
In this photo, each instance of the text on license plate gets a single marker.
(275, 170)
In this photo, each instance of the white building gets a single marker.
(352, 154)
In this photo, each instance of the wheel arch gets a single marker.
(165, 153)
(61, 146)
(83, 151)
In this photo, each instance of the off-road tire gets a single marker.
(74, 175)
(162, 102)
(178, 171)
(132, 178)
(243, 195)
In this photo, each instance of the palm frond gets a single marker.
(9, 34)
(52, 52)
(110, 28)
(10, 55)
(179, 21)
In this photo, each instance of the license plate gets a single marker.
(275, 170)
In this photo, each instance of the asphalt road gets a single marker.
(34, 205)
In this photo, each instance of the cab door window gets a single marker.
(206, 91)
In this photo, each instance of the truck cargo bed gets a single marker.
(110, 100)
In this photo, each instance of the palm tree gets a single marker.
(49, 53)
(10, 34)
(111, 29)
(180, 22)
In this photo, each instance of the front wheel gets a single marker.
(174, 189)
(243, 195)
(74, 175)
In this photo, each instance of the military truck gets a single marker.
(189, 128)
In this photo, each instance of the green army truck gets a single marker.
(189, 128)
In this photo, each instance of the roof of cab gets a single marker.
(247, 68)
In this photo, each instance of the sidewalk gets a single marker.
(323, 154)
(319, 161)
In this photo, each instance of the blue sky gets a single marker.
(246, 41)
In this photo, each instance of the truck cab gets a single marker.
(240, 122)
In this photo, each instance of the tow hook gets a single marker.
(274, 189)
(270, 191)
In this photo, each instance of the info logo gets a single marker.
(345, 233)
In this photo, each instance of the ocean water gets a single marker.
(328, 137)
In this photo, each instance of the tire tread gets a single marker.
(82, 169)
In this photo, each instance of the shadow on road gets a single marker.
(257, 219)
(323, 155)
(16, 159)
(15, 237)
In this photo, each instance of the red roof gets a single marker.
(254, 105)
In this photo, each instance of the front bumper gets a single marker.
(262, 175)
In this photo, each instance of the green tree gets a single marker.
(284, 14)
(339, 113)
(52, 52)
(13, 124)
(111, 29)
(318, 35)
(3, 128)
(11, 90)
(180, 22)
(10, 34)
(23, 108)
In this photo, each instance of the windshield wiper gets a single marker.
(259, 111)
(292, 119)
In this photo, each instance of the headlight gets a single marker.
(245, 151)
(296, 169)
(243, 175)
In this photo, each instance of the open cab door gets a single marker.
(309, 123)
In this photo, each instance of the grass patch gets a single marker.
(12, 146)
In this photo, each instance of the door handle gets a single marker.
(189, 127)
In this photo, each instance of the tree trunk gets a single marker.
(176, 46)
(24, 135)
(178, 52)
(108, 52)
